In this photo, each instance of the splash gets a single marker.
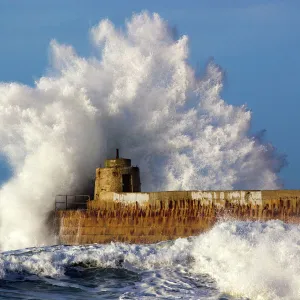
(257, 260)
(239, 260)
(138, 94)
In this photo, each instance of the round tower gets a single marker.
(117, 176)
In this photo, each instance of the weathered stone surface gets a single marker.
(165, 215)
(117, 176)
(135, 217)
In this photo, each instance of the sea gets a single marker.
(233, 260)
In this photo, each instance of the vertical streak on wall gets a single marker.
(158, 216)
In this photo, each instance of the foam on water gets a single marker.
(241, 259)
(259, 260)
(138, 94)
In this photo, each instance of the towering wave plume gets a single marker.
(139, 94)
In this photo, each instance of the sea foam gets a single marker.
(257, 260)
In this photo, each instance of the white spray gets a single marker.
(257, 260)
(140, 95)
(248, 260)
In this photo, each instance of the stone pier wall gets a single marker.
(159, 216)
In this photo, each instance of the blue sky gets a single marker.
(257, 43)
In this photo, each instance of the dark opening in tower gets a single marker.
(126, 183)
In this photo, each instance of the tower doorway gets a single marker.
(126, 183)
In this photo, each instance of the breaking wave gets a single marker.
(138, 94)
(234, 260)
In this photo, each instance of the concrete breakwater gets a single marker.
(158, 216)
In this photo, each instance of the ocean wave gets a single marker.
(258, 260)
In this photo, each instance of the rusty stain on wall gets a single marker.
(157, 220)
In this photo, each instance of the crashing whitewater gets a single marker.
(234, 260)
(139, 93)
